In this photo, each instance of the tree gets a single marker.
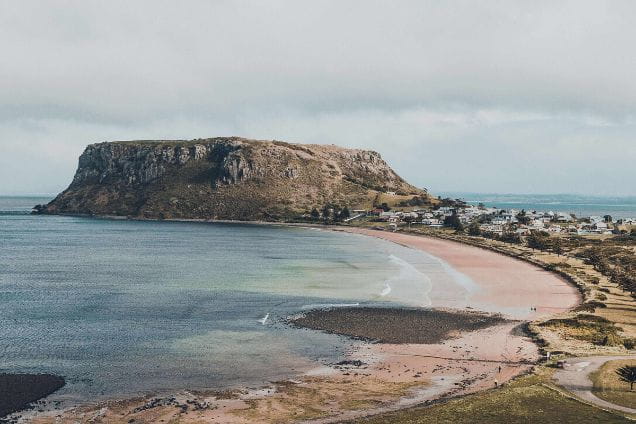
(607, 218)
(595, 257)
(538, 240)
(336, 212)
(473, 229)
(344, 213)
(454, 222)
(326, 212)
(510, 237)
(385, 207)
(408, 219)
(523, 218)
(557, 246)
(315, 214)
(628, 375)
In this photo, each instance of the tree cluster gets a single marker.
(617, 263)
(507, 236)
(330, 212)
(539, 240)
(415, 201)
(453, 203)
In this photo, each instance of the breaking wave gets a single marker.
(409, 285)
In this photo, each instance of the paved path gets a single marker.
(575, 378)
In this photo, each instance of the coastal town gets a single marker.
(487, 220)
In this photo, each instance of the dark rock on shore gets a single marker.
(17, 391)
(395, 325)
(353, 363)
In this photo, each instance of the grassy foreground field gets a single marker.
(609, 387)
(526, 400)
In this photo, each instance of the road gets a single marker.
(575, 378)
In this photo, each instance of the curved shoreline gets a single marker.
(503, 278)
(500, 276)
(502, 284)
(436, 246)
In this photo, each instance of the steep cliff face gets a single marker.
(222, 178)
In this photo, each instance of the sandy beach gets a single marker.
(506, 284)
(380, 377)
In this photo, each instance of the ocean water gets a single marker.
(582, 206)
(125, 307)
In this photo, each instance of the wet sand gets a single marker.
(17, 391)
(395, 325)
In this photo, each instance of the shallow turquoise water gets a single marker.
(122, 307)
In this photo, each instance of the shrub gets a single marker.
(453, 221)
(601, 296)
(538, 240)
(473, 229)
(590, 306)
(629, 343)
(590, 328)
(612, 339)
(511, 237)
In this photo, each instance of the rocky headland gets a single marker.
(223, 178)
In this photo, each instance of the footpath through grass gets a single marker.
(608, 386)
(525, 400)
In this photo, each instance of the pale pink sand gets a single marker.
(472, 361)
(504, 282)
(466, 364)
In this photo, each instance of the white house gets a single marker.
(432, 222)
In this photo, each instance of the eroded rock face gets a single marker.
(230, 178)
(142, 163)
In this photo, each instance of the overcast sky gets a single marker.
(489, 96)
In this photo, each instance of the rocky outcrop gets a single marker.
(222, 178)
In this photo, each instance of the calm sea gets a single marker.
(582, 206)
(126, 307)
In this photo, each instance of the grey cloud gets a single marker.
(414, 80)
